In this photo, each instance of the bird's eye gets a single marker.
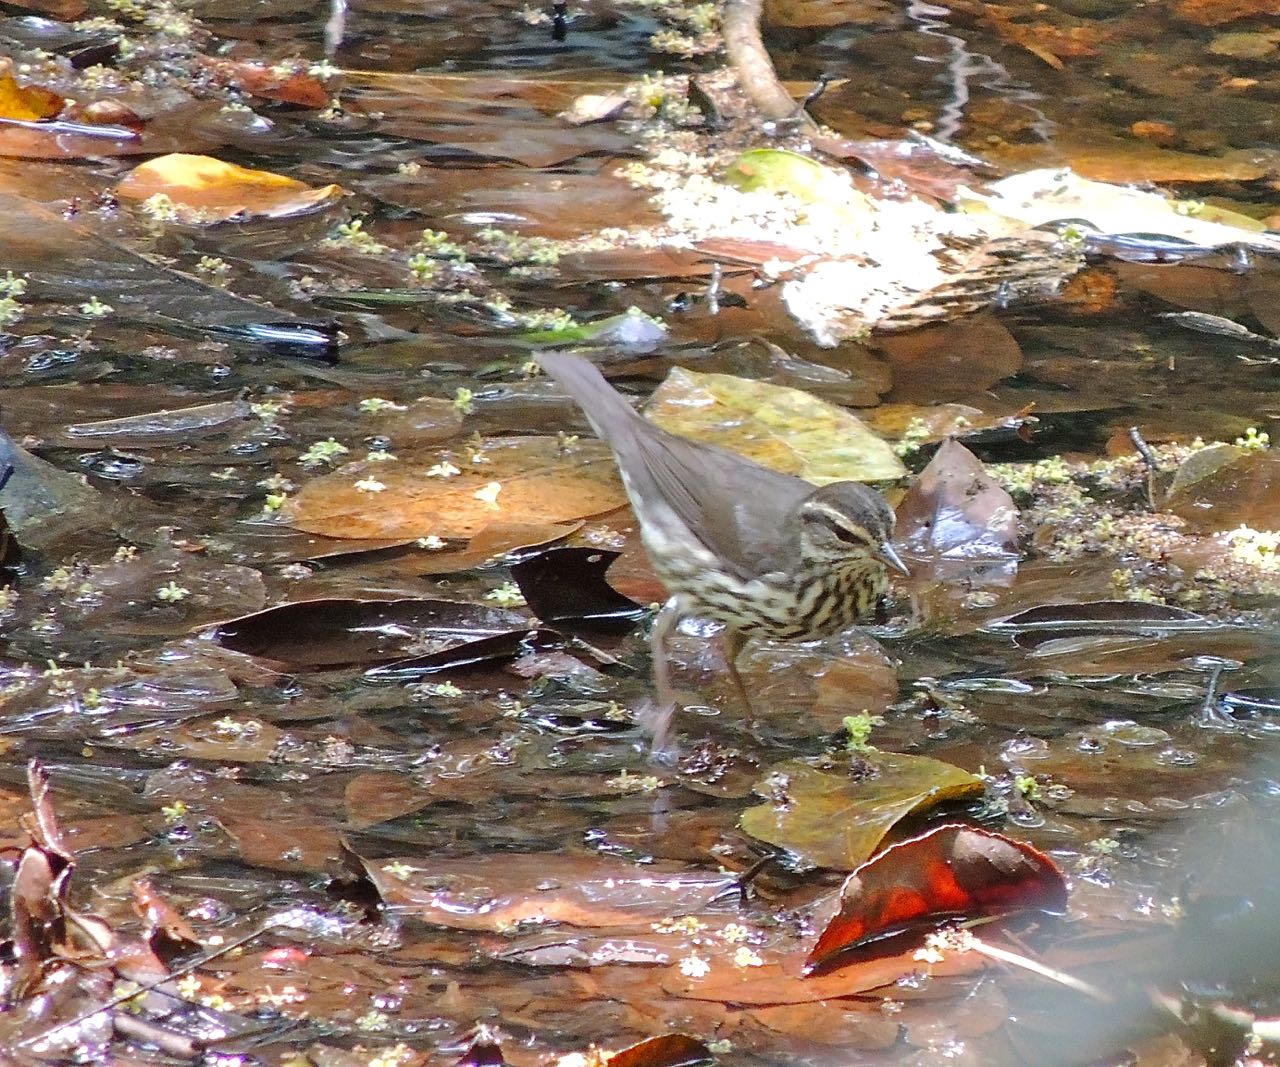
(843, 533)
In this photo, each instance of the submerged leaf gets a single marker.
(1223, 487)
(838, 819)
(27, 103)
(668, 1050)
(785, 429)
(325, 634)
(496, 892)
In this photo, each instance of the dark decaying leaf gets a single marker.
(498, 648)
(955, 516)
(568, 585)
(332, 633)
(669, 1050)
(10, 554)
(41, 502)
(838, 818)
(1051, 622)
(951, 872)
(66, 260)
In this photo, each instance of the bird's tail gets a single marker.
(606, 409)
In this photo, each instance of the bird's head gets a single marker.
(844, 520)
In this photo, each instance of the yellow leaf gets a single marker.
(203, 189)
(785, 429)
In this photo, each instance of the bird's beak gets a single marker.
(892, 558)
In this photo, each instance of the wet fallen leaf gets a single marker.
(377, 796)
(500, 647)
(785, 429)
(948, 873)
(41, 502)
(956, 516)
(476, 115)
(954, 361)
(1039, 197)
(205, 190)
(161, 426)
(10, 553)
(1217, 12)
(569, 585)
(66, 259)
(490, 545)
(536, 483)
(326, 634)
(1222, 487)
(547, 204)
(937, 422)
(780, 979)
(164, 927)
(290, 86)
(838, 817)
(777, 170)
(669, 1050)
(799, 13)
(500, 891)
(29, 103)
(1101, 616)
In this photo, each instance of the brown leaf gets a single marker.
(497, 892)
(837, 819)
(164, 927)
(957, 361)
(377, 796)
(669, 1050)
(956, 516)
(256, 79)
(525, 480)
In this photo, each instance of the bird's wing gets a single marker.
(737, 508)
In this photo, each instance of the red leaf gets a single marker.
(951, 872)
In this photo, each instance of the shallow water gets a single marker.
(245, 786)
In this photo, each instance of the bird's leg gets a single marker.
(733, 640)
(659, 719)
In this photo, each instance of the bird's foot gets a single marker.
(656, 719)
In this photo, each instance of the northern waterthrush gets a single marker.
(764, 553)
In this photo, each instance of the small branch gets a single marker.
(740, 26)
(1028, 964)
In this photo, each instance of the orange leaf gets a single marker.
(204, 189)
(25, 103)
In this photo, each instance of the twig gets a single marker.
(166, 1041)
(740, 25)
(1028, 964)
(115, 1002)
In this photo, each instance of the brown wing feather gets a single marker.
(738, 509)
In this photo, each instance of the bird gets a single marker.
(765, 553)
